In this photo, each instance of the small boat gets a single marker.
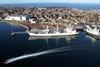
(94, 32)
(46, 32)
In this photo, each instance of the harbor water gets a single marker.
(69, 51)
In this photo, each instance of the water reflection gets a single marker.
(92, 39)
(68, 38)
(53, 42)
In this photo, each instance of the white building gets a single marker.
(16, 18)
(32, 21)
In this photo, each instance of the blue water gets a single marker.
(87, 54)
(86, 6)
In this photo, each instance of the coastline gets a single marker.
(16, 23)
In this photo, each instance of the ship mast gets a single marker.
(46, 29)
(57, 29)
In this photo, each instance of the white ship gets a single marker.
(94, 32)
(46, 32)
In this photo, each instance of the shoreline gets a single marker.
(28, 25)
(16, 23)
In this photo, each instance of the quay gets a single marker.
(15, 33)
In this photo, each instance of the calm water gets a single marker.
(65, 5)
(85, 51)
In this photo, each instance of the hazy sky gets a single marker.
(50, 1)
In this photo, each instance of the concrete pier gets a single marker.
(15, 33)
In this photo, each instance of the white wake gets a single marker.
(36, 54)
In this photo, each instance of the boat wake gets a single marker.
(25, 56)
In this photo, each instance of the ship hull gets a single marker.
(52, 34)
(93, 35)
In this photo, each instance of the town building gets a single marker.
(17, 18)
(32, 21)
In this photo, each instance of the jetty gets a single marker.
(15, 33)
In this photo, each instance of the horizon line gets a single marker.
(54, 2)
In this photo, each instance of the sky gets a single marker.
(48, 1)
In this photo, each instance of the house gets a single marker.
(17, 18)
(32, 21)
